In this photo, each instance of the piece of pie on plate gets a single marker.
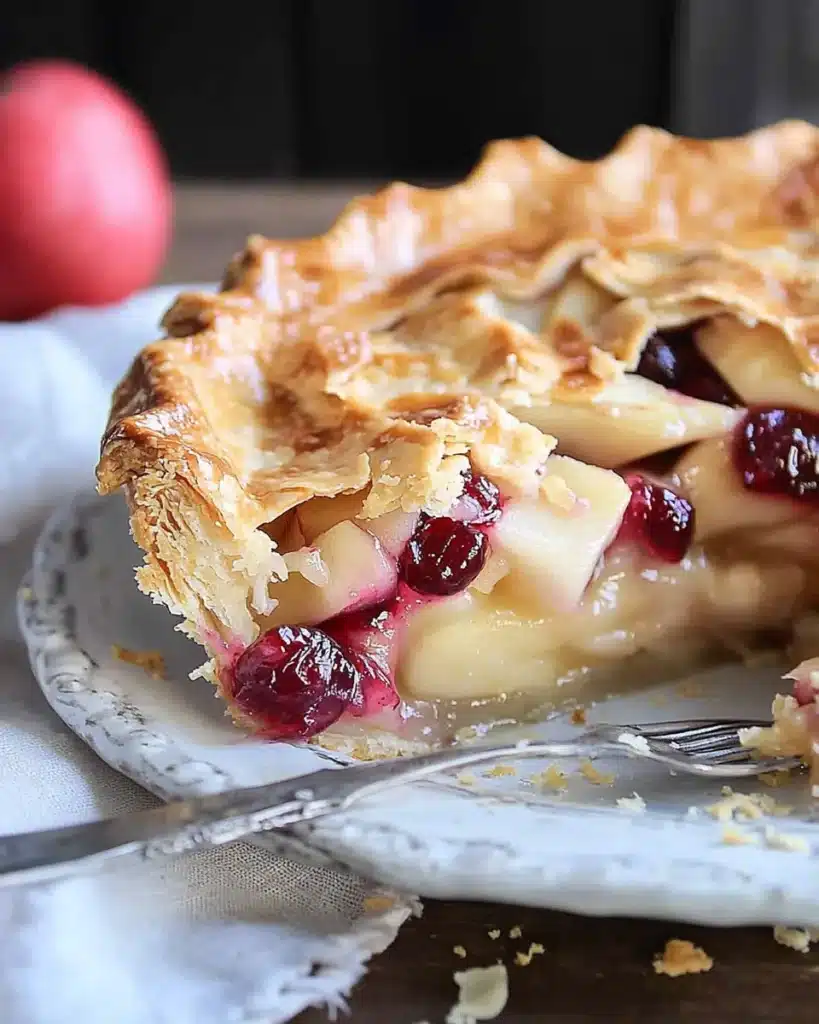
(480, 450)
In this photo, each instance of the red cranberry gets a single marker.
(671, 358)
(295, 681)
(367, 637)
(776, 452)
(658, 519)
(804, 692)
(442, 557)
(480, 501)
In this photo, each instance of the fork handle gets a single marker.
(183, 826)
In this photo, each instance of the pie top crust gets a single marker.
(433, 328)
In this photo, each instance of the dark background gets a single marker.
(413, 88)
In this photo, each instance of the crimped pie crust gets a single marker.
(385, 352)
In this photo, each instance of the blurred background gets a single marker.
(375, 89)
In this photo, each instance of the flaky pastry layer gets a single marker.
(427, 325)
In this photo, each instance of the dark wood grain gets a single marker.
(593, 970)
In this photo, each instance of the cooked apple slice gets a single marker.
(757, 362)
(393, 530)
(712, 484)
(628, 420)
(357, 572)
(464, 649)
(318, 515)
(552, 545)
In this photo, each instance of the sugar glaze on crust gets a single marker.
(432, 327)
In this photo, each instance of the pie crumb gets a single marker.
(732, 836)
(551, 778)
(774, 779)
(524, 959)
(515, 932)
(579, 716)
(799, 939)
(499, 770)
(598, 778)
(494, 933)
(682, 957)
(483, 993)
(466, 780)
(378, 904)
(635, 741)
(634, 804)
(459, 951)
(151, 662)
(750, 806)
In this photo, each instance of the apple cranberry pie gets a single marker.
(481, 448)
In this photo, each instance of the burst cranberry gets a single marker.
(442, 557)
(367, 637)
(805, 692)
(658, 519)
(480, 501)
(295, 682)
(671, 358)
(776, 451)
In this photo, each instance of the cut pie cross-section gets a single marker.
(481, 450)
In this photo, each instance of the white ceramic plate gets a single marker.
(501, 838)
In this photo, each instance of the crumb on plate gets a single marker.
(551, 778)
(749, 806)
(465, 779)
(635, 741)
(733, 836)
(515, 932)
(774, 779)
(151, 662)
(459, 951)
(682, 957)
(499, 770)
(596, 777)
(494, 933)
(579, 715)
(483, 993)
(634, 804)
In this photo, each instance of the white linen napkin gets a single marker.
(234, 935)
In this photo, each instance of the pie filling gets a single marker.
(481, 451)
(425, 623)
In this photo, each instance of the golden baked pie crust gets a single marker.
(383, 353)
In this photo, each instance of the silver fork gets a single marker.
(707, 748)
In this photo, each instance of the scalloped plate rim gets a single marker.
(446, 842)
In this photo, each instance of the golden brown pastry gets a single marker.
(343, 468)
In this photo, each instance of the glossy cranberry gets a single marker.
(480, 501)
(672, 359)
(442, 557)
(804, 692)
(295, 682)
(776, 452)
(658, 519)
(366, 636)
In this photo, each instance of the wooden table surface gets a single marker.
(592, 969)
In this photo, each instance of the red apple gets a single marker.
(85, 198)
